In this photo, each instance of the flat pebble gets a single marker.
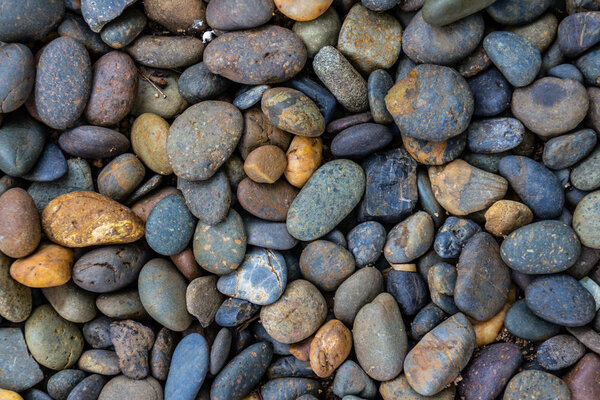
(514, 12)
(18, 369)
(188, 369)
(538, 385)
(523, 323)
(409, 290)
(584, 175)
(90, 141)
(366, 241)
(559, 352)
(566, 150)
(233, 15)
(505, 216)
(360, 140)
(71, 302)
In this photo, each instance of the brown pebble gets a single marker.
(132, 342)
(304, 156)
(504, 216)
(301, 350)
(143, 207)
(20, 230)
(48, 267)
(162, 351)
(584, 379)
(265, 164)
(266, 201)
(187, 265)
(330, 348)
(259, 131)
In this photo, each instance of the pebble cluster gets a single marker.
(299, 199)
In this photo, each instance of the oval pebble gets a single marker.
(536, 385)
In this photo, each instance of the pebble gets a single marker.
(266, 201)
(234, 312)
(350, 379)
(360, 140)
(415, 102)
(63, 382)
(75, 27)
(380, 340)
(50, 166)
(309, 312)
(219, 249)
(99, 13)
(289, 388)
(119, 178)
(441, 12)
(578, 32)
(523, 323)
(161, 354)
(559, 352)
(177, 16)
(536, 185)
(399, 388)
(378, 84)
(505, 216)
(29, 21)
(293, 111)
(544, 247)
(517, 59)
(514, 12)
(442, 45)
(326, 264)
(123, 304)
(463, 189)
(132, 342)
(330, 347)
(88, 388)
(265, 164)
(427, 199)
(18, 369)
(148, 100)
(88, 141)
(428, 318)
(585, 220)
(17, 71)
(491, 93)
(162, 292)
(429, 367)
(103, 362)
(229, 15)
(122, 387)
(60, 102)
(207, 200)
(313, 214)
(365, 242)
(189, 367)
(409, 290)
(242, 373)
(250, 97)
(566, 150)
(16, 300)
(356, 291)
(561, 299)
(370, 40)
(495, 135)
(112, 94)
(93, 219)
(260, 279)
(277, 55)
(71, 303)
(202, 138)
(317, 93)
(305, 11)
(124, 29)
(320, 32)
(482, 280)
(441, 278)
(542, 106)
(219, 352)
(203, 299)
(409, 239)
(391, 188)
(166, 51)
(20, 230)
(97, 332)
(259, 131)
(453, 235)
(343, 81)
(49, 266)
(21, 144)
(588, 65)
(490, 371)
(435, 153)
(566, 71)
(540, 33)
(582, 380)
(536, 385)
(54, 342)
(584, 175)
(289, 367)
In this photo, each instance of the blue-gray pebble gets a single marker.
(495, 135)
(517, 59)
(234, 312)
(268, 234)
(188, 369)
(453, 235)
(365, 242)
(51, 165)
(21, 144)
(566, 150)
(491, 92)
(197, 83)
(170, 226)
(524, 324)
(17, 75)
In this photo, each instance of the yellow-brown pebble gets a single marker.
(330, 348)
(303, 158)
(149, 141)
(301, 350)
(505, 216)
(81, 219)
(486, 332)
(265, 164)
(50, 266)
(9, 395)
(305, 10)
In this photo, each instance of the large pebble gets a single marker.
(17, 73)
(463, 189)
(304, 11)
(51, 165)
(63, 82)
(132, 342)
(399, 388)
(550, 106)
(544, 247)
(242, 373)
(439, 357)
(162, 292)
(561, 299)
(29, 21)
(103, 362)
(409, 290)
(432, 102)
(355, 292)
(536, 385)
(537, 186)
(229, 15)
(207, 200)
(297, 314)
(21, 144)
(365, 242)
(326, 264)
(483, 280)
(442, 45)
(97, 332)
(495, 135)
(585, 220)
(559, 352)
(444, 12)
(54, 342)
(585, 176)
(380, 340)
(370, 40)
(234, 312)
(202, 138)
(71, 303)
(18, 369)
(293, 111)
(189, 367)
(123, 304)
(578, 32)
(327, 198)
(517, 59)
(329, 348)
(80, 219)
(266, 201)
(197, 83)
(270, 54)
(260, 279)
(88, 388)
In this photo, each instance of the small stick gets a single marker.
(147, 79)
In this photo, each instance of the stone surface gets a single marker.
(292, 111)
(166, 51)
(71, 303)
(585, 220)
(355, 292)
(17, 72)
(320, 32)
(21, 144)
(536, 385)
(566, 150)
(124, 29)
(582, 380)
(517, 59)
(177, 16)
(330, 347)
(20, 230)
(505, 216)
(61, 383)
(409, 239)
(326, 264)
(49, 266)
(189, 367)
(18, 370)
(132, 342)
(304, 11)
(230, 15)
(122, 387)
(170, 226)
(29, 21)
(90, 141)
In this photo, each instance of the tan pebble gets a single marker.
(265, 164)
(505, 216)
(304, 157)
(50, 266)
(330, 348)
